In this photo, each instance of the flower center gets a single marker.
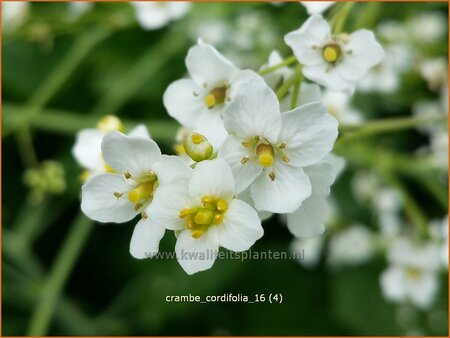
(199, 219)
(331, 53)
(110, 123)
(413, 273)
(265, 154)
(216, 96)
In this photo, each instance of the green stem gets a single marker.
(58, 275)
(286, 86)
(69, 123)
(354, 132)
(434, 188)
(296, 92)
(26, 149)
(341, 17)
(290, 60)
(144, 69)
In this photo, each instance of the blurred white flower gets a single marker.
(412, 274)
(214, 32)
(339, 105)
(309, 249)
(352, 246)
(387, 204)
(392, 31)
(308, 92)
(428, 109)
(317, 7)
(268, 153)
(434, 71)
(87, 149)
(427, 27)
(198, 103)
(385, 77)
(78, 8)
(439, 231)
(334, 61)
(439, 148)
(139, 175)
(205, 214)
(276, 79)
(156, 14)
(308, 220)
(14, 14)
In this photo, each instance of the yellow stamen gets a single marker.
(197, 233)
(109, 169)
(272, 176)
(210, 100)
(183, 213)
(245, 159)
(204, 216)
(215, 96)
(331, 53)
(138, 206)
(118, 194)
(197, 138)
(144, 215)
(285, 158)
(127, 175)
(265, 154)
(191, 224)
(207, 200)
(221, 205)
(282, 145)
(218, 218)
(142, 191)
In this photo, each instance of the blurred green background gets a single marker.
(61, 74)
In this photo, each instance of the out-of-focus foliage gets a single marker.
(113, 66)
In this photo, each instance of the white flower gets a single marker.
(388, 204)
(78, 8)
(156, 14)
(339, 105)
(198, 103)
(334, 61)
(141, 173)
(427, 27)
(412, 274)
(317, 7)
(439, 231)
(434, 71)
(308, 92)
(267, 150)
(307, 221)
(205, 214)
(14, 13)
(353, 246)
(87, 149)
(310, 250)
(276, 79)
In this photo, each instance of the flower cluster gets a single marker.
(251, 146)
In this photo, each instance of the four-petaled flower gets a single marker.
(206, 214)
(334, 61)
(267, 150)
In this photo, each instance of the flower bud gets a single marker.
(197, 147)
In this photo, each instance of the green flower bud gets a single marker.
(197, 147)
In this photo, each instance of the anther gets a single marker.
(138, 206)
(285, 158)
(221, 205)
(246, 144)
(218, 218)
(245, 159)
(144, 215)
(272, 175)
(282, 145)
(127, 174)
(118, 194)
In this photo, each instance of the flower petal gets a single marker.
(285, 193)
(99, 203)
(139, 131)
(136, 155)
(145, 240)
(253, 111)
(233, 152)
(321, 175)
(309, 133)
(307, 221)
(392, 282)
(171, 170)
(207, 66)
(88, 151)
(210, 124)
(183, 101)
(212, 178)
(329, 78)
(167, 204)
(196, 255)
(241, 227)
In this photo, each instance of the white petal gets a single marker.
(212, 178)
(422, 289)
(284, 194)
(329, 78)
(321, 175)
(254, 110)
(210, 124)
(247, 198)
(88, 151)
(136, 155)
(99, 203)
(366, 53)
(145, 240)
(307, 221)
(183, 100)
(151, 16)
(207, 66)
(167, 204)
(196, 255)
(233, 151)
(309, 133)
(309, 92)
(392, 283)
(140, 131)
(171, 170)
(178, 8)
(241, 227)
(305, 40)
(317, 7)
